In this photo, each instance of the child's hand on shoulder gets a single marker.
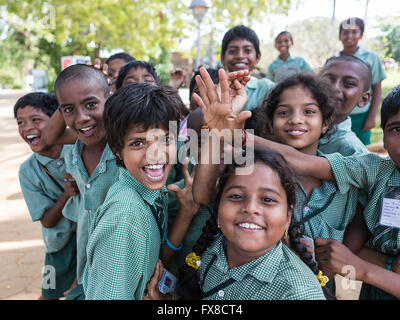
(70, 186)
(187, 205)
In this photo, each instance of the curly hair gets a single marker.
(320, 89)
(189, 288)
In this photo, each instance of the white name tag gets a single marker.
(390, 215)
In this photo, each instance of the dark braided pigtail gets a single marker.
(294, 239)
(189, 288)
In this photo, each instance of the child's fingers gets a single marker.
(243, 116)
(185, 171)
(202, 90)
(224, 85)
(105, 68)
(200, 103)
(174, 188)
(209, 85)
(97, 63)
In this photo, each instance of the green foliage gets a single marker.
(391, 41)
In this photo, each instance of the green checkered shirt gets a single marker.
(277, 275)
(292, 65)
(341, 139)
(124, 242)
(41, 192)
(336, 210)
(93, 191)
(374, 175)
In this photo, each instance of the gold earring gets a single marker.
(286, 231)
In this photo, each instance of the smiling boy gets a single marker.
(47, 190)
(128, 233)
(351, 79)
(240, 50)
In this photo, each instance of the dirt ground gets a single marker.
(21, 244)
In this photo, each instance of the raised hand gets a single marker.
(221, 111)
(177, 78)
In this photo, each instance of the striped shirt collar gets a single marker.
(77, 151)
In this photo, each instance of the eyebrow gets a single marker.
(135, 137)
(304, 104)
(394, 123)
(262, 188)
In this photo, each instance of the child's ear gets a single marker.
(325, 127)
(364, 99)
(258, 58)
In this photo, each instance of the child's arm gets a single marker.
(357, 232)
(56, 131)
(335, 256)
(225, 113)
(370, 122)
(52, 215)
(187, 210)
(221, 110)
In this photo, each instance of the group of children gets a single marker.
(124, 180)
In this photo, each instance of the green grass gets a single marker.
(392, 80)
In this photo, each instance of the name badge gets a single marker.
(390, 213)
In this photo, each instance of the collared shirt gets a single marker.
(341, 139)
(41, 192)
(93, 191)
(277, 275)
(375, 65)
(292, 65)
(327, 211)
(256, 90)
(374, 175)
(124, 242)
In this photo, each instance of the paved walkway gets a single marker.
(21, 244)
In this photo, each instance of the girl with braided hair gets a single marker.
(240, 254)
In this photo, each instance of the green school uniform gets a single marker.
(341, 139)
(124, 242)
(93, 191)
(41, 191)
(375, 176)
(292, 65)
(359, 115)
(326, 212)
(193, 233)
(256, 90)
(277, 275)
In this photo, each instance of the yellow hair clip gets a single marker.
(322, 279)
(193, 260)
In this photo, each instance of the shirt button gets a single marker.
(59, 163)
(88, 186)
(221, 293)
(306, 209)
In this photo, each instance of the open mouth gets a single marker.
(33, 139)
(249, 227)
(155, 172)
(240, 65)
(88, 131)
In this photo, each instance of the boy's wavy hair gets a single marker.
(189, 288)
(321, 90)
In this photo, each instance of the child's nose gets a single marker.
(251, 206)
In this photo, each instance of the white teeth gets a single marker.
(32, 136)
(87, 129)
(249, 226)
(155, 166)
